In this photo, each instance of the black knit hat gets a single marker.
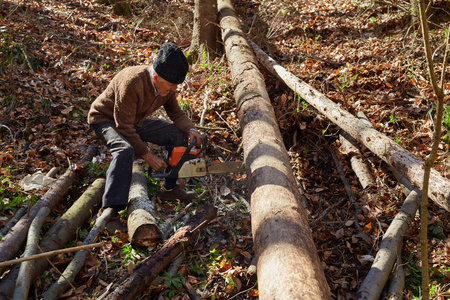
(171, 64)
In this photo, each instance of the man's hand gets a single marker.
(155, 162)
(194, 134)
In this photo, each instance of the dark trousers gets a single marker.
(118, 176)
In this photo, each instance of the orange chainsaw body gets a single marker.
(177, 152)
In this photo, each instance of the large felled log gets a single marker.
(16, 237)
(388, 150)
(142, 227)
(288, 266)
(60, 233)
(144, 274)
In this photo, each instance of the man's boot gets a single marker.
(176, 193)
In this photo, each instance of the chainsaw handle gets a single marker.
(172, 171)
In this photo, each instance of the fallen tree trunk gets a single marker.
(60, 233)
(146, 271)
(389, 151)
(16, 237)
(141, 223)
(288, 266)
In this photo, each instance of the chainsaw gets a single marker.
(185, 162)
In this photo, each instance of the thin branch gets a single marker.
(227, 124)
(347, 188)
(56, 269)
(50, 253)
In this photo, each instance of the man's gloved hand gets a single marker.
(194, 134)
(155, 162)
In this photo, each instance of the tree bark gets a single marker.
(142, 227)
(389, 151)
(356, 160)
(16, 237)
(19, 214)
(288, 266)
(23, 281)
(378, 275)
(78, 261)
(205, 31)
(144, 274)
(60, 233)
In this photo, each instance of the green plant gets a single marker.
(129, 254)
(436, 231)
(184, 105)
(305, 34)
(9, 101)
(414, 275)
(446, 118)
(299, 98)
(95, 169)
(316, 39)
(153, 184)
(413, 278)
(373, 19)
(274, 27)
(12, 197)
(392, 119)
(76, 114)
(46, 105)
(229, 279)
(345, 81)
(173, 284)
(81, 233)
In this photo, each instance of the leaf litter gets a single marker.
(57, 57)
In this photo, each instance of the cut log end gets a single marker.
(148, 235)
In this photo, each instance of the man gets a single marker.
(118, 118)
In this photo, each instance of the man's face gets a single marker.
(164, 87)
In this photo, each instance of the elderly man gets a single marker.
(118, 118)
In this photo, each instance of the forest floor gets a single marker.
(57, 56)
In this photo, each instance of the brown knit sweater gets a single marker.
(129, 98)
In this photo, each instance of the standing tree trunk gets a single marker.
(204, 45)
(438, 88)
(288, 266)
